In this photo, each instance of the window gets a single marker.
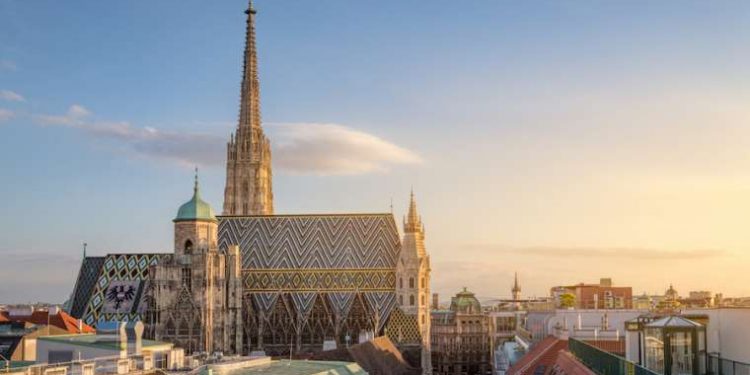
(188, 247)
(422, 283)
(411, 282)
(187, 276)
(401, 300)
(411, 300)
(401, 283)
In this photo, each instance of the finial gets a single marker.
(84, 250)
(195, 188)
(250, 8)
(391, 205)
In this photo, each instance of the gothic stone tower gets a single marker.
(413, 272)
(195, 294)
(248, 189)
(516, 292)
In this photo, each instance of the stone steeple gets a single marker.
(413, 273)
(516, 288)
(412, 221)
(248, 190)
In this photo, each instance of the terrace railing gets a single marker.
(605, 363)
(723, 366)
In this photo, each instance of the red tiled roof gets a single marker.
(4, 317)
(60, 320)
(542, 356)
(567, 364)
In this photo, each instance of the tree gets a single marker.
(567, 301)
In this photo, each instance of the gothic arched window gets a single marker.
(411, 300)
(422, 283)
(401, 283)
(411, 282)
(188, 247)
(401, 300)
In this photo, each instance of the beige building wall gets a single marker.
(413, 279)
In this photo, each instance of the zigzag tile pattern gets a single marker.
(306, 258)
(313, 242)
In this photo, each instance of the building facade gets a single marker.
(594, 296)
(413, 273)
(194, 297)
(461, 338)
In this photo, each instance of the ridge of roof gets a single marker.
(527, 363)
(354, 214)
(60, 320)
(567, 363)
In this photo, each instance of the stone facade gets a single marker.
(462, 340)
(413, 271)
(248, 189)
(194, 299)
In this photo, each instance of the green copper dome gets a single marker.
(465, 302)
(196, 208)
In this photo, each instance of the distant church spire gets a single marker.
(516, 288)
(248, 189)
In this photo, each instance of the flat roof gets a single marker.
(102, 342)
(302, 367)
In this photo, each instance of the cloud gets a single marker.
(600, 253)
(5, 114)
(300, 148)
(147, 142)
(11, 96)
(8, 65)
(74, 117)
(331, 149)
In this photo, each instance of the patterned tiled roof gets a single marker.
(87, 278)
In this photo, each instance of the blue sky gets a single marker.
(565, 140)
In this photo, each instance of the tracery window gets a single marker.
(187, 278)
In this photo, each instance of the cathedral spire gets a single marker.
(248, 190)
(250, 95)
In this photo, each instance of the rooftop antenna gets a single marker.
(391, 205)
(84, 250)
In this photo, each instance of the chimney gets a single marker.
(435, 304)
(134, 333)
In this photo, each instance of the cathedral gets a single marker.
(251, 280)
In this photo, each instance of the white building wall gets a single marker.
(728, 332)
(591, 321)
(43, 347)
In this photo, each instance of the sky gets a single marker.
(563, 140)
